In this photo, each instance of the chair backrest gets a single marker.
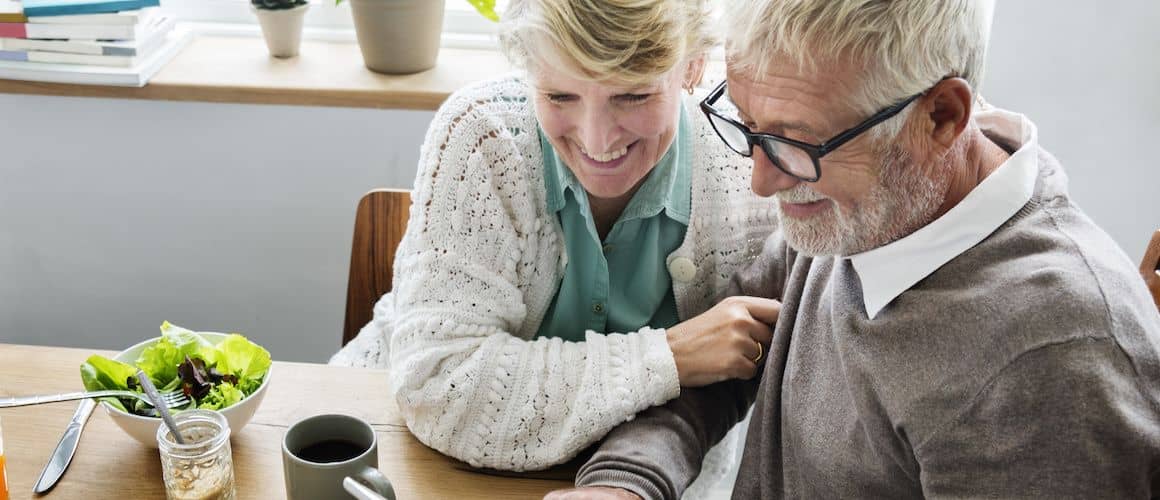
(379, 224)
(1150, 267)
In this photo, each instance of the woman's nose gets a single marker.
(599, 131)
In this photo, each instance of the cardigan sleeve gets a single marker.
(465, 383)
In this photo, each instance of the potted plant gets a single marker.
(281, 22)
(402, 36)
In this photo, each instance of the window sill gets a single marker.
(238, 69)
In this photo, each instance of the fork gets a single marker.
(172, 399)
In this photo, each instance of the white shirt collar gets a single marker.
(891, 269)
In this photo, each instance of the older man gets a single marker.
(952, 324)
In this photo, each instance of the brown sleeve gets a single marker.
(659, 454)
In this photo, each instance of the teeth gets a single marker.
(605, 157)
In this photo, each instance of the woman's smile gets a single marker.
(606, 161)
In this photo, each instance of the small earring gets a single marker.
(689, 89)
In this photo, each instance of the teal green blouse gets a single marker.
(622, 283)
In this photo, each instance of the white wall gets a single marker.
(1088, 74)
(118, 214)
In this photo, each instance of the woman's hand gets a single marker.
(725, 342)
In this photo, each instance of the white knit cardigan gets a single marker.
(478, 267)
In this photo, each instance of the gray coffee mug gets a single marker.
(319, 452)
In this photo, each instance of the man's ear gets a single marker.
(694, 72)
(948, 107)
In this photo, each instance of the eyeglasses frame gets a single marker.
(816, 151)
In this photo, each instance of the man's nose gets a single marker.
(767, 178)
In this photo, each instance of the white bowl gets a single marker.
(144, 429)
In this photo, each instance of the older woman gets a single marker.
(565, 223)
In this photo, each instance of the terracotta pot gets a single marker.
(282, 29)
(398, 36)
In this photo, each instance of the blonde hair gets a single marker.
(628, 41)
(898, 47)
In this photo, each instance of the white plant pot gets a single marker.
(398, 36)
(282, 29)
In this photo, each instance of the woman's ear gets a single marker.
(693, 72)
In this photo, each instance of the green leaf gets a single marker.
(159, 361)
(241, 357)
(187, 341)
(486, 8)
(221, 396)
(99, 373)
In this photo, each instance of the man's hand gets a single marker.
(725, 342)
(592, 493)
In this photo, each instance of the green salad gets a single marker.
(214, 376)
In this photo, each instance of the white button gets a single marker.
(682, 269)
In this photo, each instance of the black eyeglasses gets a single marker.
(795, 158)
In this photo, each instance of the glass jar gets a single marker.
(203, 468)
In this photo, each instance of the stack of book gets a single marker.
(115, 42)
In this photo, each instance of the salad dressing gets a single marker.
(201, 469)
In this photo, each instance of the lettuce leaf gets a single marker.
(159, 361)
(188, 342)
(221, 396)
(244, 359)
(99, 373)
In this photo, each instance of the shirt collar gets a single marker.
(888, 271)
(666, 188)
(555, 179)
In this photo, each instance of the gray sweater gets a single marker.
(1025, 367)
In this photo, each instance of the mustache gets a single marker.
(800, 193)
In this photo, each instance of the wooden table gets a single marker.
(110, 464)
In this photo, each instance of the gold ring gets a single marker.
(760, 353)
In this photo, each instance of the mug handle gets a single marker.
(369, 484)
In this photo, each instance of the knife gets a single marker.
(63, 454)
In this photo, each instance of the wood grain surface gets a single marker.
(111, 465)
(240, 70)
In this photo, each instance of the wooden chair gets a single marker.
(379, 224)
(1150, 267)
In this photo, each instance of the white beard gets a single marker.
(902, 201)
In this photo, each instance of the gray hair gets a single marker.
(899, 47)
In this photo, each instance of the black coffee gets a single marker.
(334, 450)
